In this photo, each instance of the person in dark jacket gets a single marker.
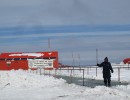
(106, 71)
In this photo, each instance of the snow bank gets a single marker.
(27, 80)
(15, 85)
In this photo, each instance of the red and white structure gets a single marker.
(30, 60)
(126, 61)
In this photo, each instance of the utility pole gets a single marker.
(49, 49)
(79, 59)
(73, 61)
(96, 55)
(79, 62)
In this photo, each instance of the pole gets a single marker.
(71, 76)
(79, 59)
(87, 70)
(44, 71)
(73, 61)
(55, 73)
(49, 73)
(119, 74)
(48, 44)
(96, 71)
(128, 65)
(79, 62)
(83, 77)
(96, 55)
(40, 72)
(96, 60)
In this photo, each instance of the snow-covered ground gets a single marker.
(15, 85)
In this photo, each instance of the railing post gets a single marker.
(83, 77)
(71, 76)
(49, 73)
(40, 71)
(87, 70)
(118, 74)
(80, 69)
(44, 71)
(36, 70)
(96, 71)
(73, 68)
(68, 69)
(60, 69)
(55, 72)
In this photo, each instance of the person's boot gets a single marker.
(109, 85)
(105, 83)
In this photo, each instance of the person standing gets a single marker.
(106, 71)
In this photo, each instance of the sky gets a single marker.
(74, 27)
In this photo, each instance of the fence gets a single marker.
(57, 73)
(71, 72)
(117, 70)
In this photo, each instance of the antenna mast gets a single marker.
(96, 55)
(49, 44)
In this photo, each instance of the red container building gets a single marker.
(126, 61)
(30, 60)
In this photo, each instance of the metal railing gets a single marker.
(72, 71)
(83, 71)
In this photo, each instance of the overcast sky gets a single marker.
(73, 26)
(64, 12)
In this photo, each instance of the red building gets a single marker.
(126, 61)
(31, 60)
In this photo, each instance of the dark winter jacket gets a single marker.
(106, 69)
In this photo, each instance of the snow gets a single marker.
(28, 54)
(23, 85)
